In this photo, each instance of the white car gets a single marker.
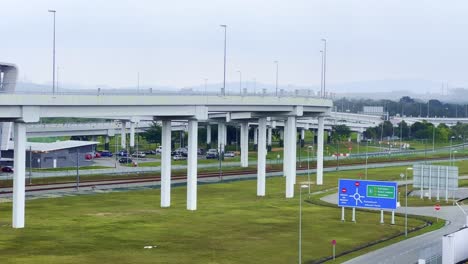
(230, 154)
(159, 149)
(139, 154)
(179, 157)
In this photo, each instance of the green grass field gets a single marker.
(231, 225)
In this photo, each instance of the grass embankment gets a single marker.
(231, 225)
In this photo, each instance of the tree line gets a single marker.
(418, 130)
(405, 106)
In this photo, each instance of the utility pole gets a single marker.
(224, 79)
(53, 54)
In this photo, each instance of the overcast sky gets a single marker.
(179, 42)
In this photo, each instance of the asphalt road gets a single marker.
(410, 250)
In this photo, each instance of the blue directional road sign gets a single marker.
(367, 194)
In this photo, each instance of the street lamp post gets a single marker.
(276, 62)
(451, 141)
(308, 166)
(224, 79)
(300, 223)
(324, 65)
(405, 175)
(53, 54)
(321, 75)
(240, 82)
(206, 85)
(367, 155)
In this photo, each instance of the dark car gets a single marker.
(106, 153)
(123, 153)
(125, 160)
(211, 155)
(8, 169)
(150, 152)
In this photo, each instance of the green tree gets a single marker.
(153, 133)
(341, 132)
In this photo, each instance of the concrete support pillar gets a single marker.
(255, 135)
(320, 151)
(19, 175)
(123, 135)
(224, 135)
(106, 142)
(208, 134)
(270, 130)
(221, 143)
(132, 134)
(244, 140)
(166, 164)
(261, 164)
(290, 155)
(192, 165)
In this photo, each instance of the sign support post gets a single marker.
(381, 217)
(354, 215)
(342, 214)
(393, 217)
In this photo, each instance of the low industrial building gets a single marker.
(60, 154)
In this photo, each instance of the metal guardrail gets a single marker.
(303, 93)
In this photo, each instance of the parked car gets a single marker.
(97, 155)
(211, 154)
(139, 154)
(123, 153)
(7, 169)
(200, 151)
(179, 157)
(88, 156)
(125, 160)
(230, 154)
(106, 153)
(150, 152)
(180, 151)
(159, 149)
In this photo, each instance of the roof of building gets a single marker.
(58, 145)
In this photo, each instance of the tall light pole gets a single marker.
(255, 85)
(406, 198)
(224, 79)
(300, 223)
(451, 141)
(276, 62)
(321, 75)
(367, 157)
(324, 65)
(308, 166)
(53, 54)
(240, 82)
